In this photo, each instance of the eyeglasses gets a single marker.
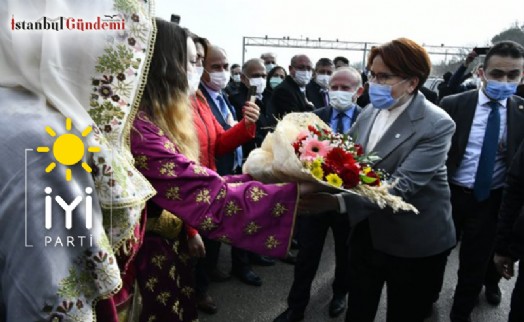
(380, 78)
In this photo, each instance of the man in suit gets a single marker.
(253, 74)
(344, 87)
(489, 131)
(290, 95)
(411, 136)
(317, 89)
(215, 64)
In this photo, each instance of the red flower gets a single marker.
(337, 159)
(296, 146)
(359, 150)
(372, 174)
(313, 130)
(350, 175)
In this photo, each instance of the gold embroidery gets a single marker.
(160, 132)
(141, 162)
(251, 228)
(278, 210)
(175, 247)
(176, 307)
(207, 224)
(151, 283)
(272, 242)
(151, 318)
(203, 196)
(236, 184)
(232, 208)
(167, 225)
(172, 272)
(200, 170)
(224, 239)
(158, 261)
(184, 258)
(163, 297)
(168, 169)
(221, 194)
(178, 281)
(169, 146)
(173, 193)
(256, 194)
(187, 291)
(281, 184)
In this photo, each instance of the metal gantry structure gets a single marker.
(318, 43)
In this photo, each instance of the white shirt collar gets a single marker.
(214, 94)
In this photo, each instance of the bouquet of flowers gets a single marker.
(303, 148)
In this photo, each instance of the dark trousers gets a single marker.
(410, 281)
(312, 236)
(239, 262)
(517, 298)
(204, 265)
(475, 224)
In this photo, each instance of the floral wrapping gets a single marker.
(235, 210)
(303, 149)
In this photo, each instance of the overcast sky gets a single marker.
(449, 22)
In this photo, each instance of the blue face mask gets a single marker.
(380, 95)
(499, 90)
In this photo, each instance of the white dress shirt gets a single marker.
(467, 171)
(382, 123)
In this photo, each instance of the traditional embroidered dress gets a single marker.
(233, 209)
(164, 255)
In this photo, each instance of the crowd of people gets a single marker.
(175, 121)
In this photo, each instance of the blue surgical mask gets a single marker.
(499, 90)
(274, 81)
(381, 97)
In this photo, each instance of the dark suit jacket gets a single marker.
(413, 150)
(225, 162)
(287, 97)
(314, 94)
(461, 108)
(510, 226)
(326, 113)
(238, 100)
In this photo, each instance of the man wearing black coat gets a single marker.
(489, 130)
(290, 95)
(509, 246)
(317, 89)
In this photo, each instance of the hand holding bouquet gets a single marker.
(303, 148)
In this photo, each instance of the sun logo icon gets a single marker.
(68, 149)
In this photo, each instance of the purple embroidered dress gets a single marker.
(232, 209)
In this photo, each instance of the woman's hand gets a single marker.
(251, 113)
(196, 246)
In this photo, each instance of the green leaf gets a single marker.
(367, 179)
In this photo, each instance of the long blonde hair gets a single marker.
(165, 98)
